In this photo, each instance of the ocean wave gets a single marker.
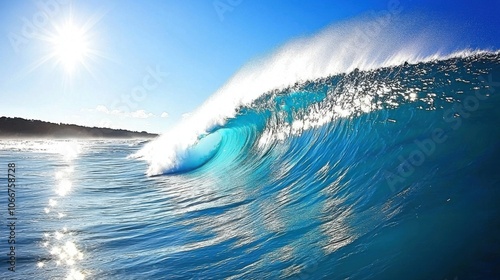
(344, 81)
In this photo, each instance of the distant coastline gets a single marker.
(12, 128)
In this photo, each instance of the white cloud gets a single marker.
(164, 115)
(102, 109)
(139, 114)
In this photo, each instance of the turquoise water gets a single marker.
(385, 174)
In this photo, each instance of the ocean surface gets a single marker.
(389, 173)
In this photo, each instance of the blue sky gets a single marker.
(147, 63)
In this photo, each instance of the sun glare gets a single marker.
(70, 46)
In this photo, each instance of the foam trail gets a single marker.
(365, 43)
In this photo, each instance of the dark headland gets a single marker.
(23, 128)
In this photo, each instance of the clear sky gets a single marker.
(141, 65)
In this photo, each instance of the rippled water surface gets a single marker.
(386, 174)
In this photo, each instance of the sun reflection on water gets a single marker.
(64, 187)
(62, 248)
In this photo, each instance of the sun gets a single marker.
(70, 46)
